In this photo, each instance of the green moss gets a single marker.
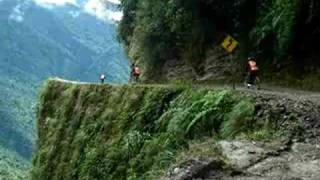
(130, 132)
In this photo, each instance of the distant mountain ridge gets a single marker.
(37, 43)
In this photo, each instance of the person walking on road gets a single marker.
(102, 78)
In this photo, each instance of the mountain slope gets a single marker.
(12, 165)
(37, 43)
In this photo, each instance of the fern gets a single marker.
(238, 119)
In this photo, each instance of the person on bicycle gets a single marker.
(252, 71)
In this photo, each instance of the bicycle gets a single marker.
(256, 85)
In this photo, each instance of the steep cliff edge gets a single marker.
(91, 131)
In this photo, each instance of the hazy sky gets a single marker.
(94, 7)
(97, 7)
(63, 2)
(55, 2)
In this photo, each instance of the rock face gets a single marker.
(255, 160)
(217, 66)
(280, 33)
(300, 161)
(197, 169)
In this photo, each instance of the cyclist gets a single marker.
(135, 73)
(252, 71)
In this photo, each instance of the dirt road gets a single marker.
(281, 92)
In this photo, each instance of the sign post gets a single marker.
(230, 44)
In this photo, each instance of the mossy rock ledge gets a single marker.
(88, 131)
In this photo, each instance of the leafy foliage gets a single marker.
(155, 32)
(276, 23)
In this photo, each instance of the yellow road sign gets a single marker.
(229, 44)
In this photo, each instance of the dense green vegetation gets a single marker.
(12, 166)
(47, 42)
(278, 32)
(124, 132)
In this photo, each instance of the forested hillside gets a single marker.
(37, 43)
(184, 36)
(178, 122)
